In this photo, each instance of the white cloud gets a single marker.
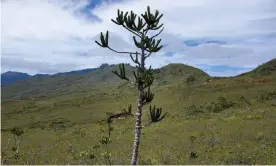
(46, 36)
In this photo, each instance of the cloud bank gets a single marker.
(226, 37)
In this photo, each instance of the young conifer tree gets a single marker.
(147, 45)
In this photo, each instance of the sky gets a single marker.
(221, 37)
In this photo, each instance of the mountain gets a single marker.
(11, 77)
(265, 69)
(180, 72)
(81, 81)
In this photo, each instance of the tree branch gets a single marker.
(148, 55)
(132, 31)
(158, 33)
(122, 52)
(137, 62)
(147, 50)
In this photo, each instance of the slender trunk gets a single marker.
(138, 126)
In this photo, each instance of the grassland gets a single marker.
(217, 132)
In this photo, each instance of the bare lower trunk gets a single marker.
(137, 127)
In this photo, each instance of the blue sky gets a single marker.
(223, 38)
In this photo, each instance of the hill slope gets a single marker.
(179, 73)
(11, 77)
(265, 69)
(65, 83)
(68, 123)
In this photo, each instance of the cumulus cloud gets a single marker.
(47, 36)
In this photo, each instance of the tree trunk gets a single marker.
(138, 125)
(137, 128)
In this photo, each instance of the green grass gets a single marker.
(235, 135)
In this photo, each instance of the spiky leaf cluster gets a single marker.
(129, 111)
(149, 43)
(129, 21)
(155, 114)
(147, 97)
(121, 73)
(104, 41)
(146, 22)
(152, 20)
(105, 140)
(144, 77)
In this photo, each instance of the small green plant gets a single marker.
(246, 103)
(224, 103)
(82, 156)
(193, 153)
(193, 110)
(260, 137)
(4, 153)
(17, 133)
(129, 110)
(219, 105)
(155, 114)
(190, 80)
(60, 124)
(211, 137)
(106, 140)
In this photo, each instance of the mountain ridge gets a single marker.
(41, 86)
(80, 81)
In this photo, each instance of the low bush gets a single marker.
(265, 96)
(216, 107)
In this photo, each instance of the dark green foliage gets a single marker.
(190, 79)
(104, 41)
(155, 114)
(106, 140)
(193, 153)
(60, 124)
(122, 73)
(143, 77)
(129, 111)
(223, 103)
(148, 97)
(265, 96)
(216, 107)
(245, 102)
(17, 131)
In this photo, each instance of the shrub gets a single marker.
(59, 124)
(190, 79)
(216, 107)
(193, 110)
(265, 96)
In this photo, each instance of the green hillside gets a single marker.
(268, 68)
(49, 86)
(221, 120)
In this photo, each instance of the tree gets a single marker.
(147, 45)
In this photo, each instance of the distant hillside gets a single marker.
(66, 83)
(40, 86)
(180, 72)
(265, 69)
(62, 83)
(11, 77)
